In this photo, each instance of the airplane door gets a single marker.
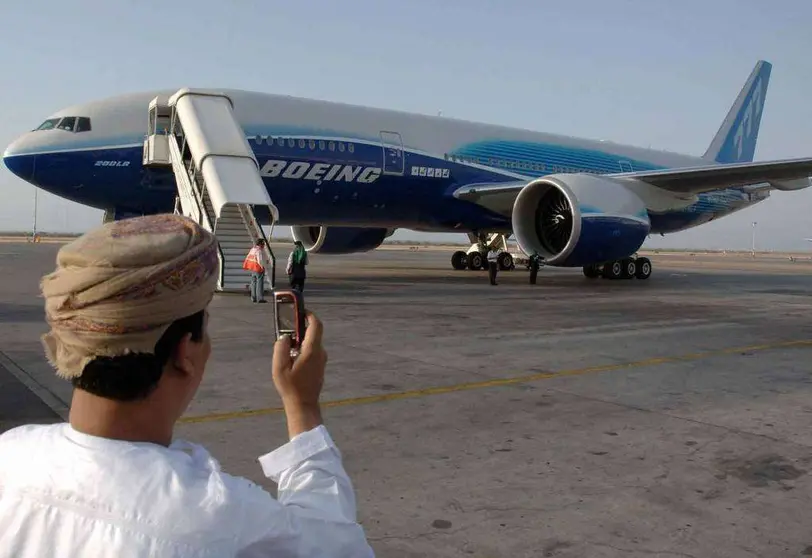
(393, 160)
(625, 166)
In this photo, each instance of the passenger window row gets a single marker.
(67, 123)
(322, 145)
(519, 165)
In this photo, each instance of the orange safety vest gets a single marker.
(251, 262)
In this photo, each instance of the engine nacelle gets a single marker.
(791, 185)
(576, 220)
(339, 240)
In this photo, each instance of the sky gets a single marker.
(651, 73)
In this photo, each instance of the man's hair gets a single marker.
(261, 242)
(134, 376)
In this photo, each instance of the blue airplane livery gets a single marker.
(345, 177)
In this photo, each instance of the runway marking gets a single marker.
(412, 394)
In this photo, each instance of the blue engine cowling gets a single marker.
(339, 240)
(576, 220)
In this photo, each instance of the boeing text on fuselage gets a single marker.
(319, 172)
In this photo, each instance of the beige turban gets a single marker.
(117, 288)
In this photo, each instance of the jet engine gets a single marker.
(579, 219)
(339, 240)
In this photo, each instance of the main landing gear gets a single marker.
(627, 268)
(477, 255)
(476, 260)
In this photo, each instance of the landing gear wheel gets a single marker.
(459, 260)
(629, 268)
(505, 261)
(592, 271)
(475, 261)
(643, 268)
(613, 270)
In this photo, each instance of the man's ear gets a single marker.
(182, 357)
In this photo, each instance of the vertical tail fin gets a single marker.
(735, 142)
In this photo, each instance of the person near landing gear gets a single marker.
(256, 263)
(493, 264)
(297, 263)
(535, 263)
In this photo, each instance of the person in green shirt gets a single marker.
(297, 266)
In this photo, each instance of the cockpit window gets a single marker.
(67, 123)
(48, 124)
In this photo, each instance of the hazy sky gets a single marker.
(659, 73)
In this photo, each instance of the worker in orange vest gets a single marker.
(255, 262)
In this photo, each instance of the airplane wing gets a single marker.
(789, 174)
(782, 175)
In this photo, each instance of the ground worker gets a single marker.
(256, 263)
(535, 263)
(493, 264)
(297, 263)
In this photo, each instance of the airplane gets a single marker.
(345, 177)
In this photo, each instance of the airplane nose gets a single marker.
(20, 164)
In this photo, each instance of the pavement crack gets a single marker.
(543, 509)
(418, 360)
(719, 440)
(416, 536)
(643, 550)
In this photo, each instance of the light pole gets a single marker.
(754, 238)
(34, 231)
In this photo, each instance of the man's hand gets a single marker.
(299, 381)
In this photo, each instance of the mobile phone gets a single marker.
(290, 316)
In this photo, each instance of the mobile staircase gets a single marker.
(196, 133)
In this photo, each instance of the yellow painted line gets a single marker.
(411, 394)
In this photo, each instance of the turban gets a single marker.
(117, 288)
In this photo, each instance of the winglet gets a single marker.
(735, 142)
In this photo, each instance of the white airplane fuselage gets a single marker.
(362, 172)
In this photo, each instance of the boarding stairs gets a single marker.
(196, 134)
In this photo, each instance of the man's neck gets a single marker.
(131, 422)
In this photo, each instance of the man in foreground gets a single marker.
(127, 309)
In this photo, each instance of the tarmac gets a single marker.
(573, 418)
